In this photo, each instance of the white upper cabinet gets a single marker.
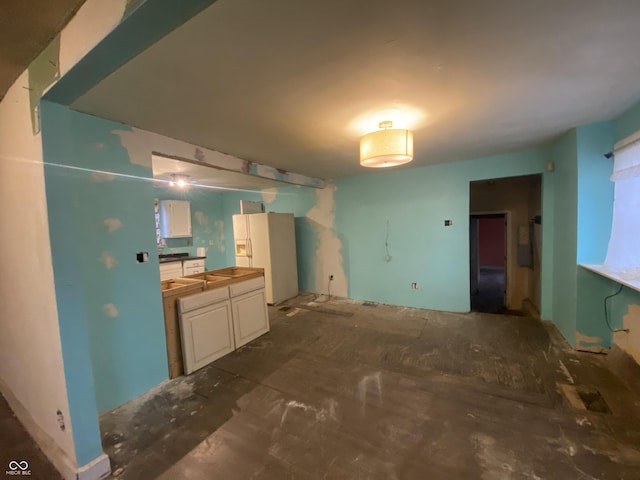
(175, 218)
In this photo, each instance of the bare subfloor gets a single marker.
(342, 390)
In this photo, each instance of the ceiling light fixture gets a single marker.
(388, 147)
(179, 180)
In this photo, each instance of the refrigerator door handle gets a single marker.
(249, 253)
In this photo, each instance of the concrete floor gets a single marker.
(341, 390)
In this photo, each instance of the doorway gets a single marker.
(488, 254)
(505, 245)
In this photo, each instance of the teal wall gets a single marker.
(415, 202)
(595, 215)
(289, 199)
(595, 191)
(598, 198)
(565, 215)
(207, 224)
(126, 342)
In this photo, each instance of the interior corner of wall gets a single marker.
(43, 72)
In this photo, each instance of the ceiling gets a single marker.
(26, 28)
(294, 84)
(204, 177)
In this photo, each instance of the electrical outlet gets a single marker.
(414, 285)
(330, 277)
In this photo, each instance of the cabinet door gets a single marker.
(175, 218)
(250, 316)
(207, 334)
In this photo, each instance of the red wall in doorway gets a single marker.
(491, 242)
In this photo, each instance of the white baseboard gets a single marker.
(97, 469)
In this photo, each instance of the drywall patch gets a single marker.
(201, 218)
(218, 237)
(108, 260)
(110, 310)
(141, 145)
(630, 341)
(586, 342)
(136, 147)
(328, 256)
(99, 177)
(113, 224)
(269, 194)
(43, 71)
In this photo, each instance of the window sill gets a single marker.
(613, 274)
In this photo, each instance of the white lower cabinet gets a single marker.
(191, 267)
(250, 316)
(170, 270)
(206, 327)
(217, 321)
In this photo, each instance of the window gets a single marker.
(623, 253)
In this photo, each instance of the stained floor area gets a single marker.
(341, 390)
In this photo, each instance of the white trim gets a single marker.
(612, 274)
(627, 141)
(97, 469)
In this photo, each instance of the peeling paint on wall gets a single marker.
(141, 144)
(630, 341)
(328, 256)
(586, 341)
(108, 260)
(43, 71)
(269, 194)
(110, 310)
(113, 224)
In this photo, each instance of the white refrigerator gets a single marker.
(268, 240)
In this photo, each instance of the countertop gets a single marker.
(209, 280)
(178, 258)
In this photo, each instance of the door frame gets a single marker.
(508, 250)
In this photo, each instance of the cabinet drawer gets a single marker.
(246, 286)
(200, 300)
(193, 270)
(198, 262)
(170, 270)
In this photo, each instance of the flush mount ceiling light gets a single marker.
(388, 147)
(179, 180)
